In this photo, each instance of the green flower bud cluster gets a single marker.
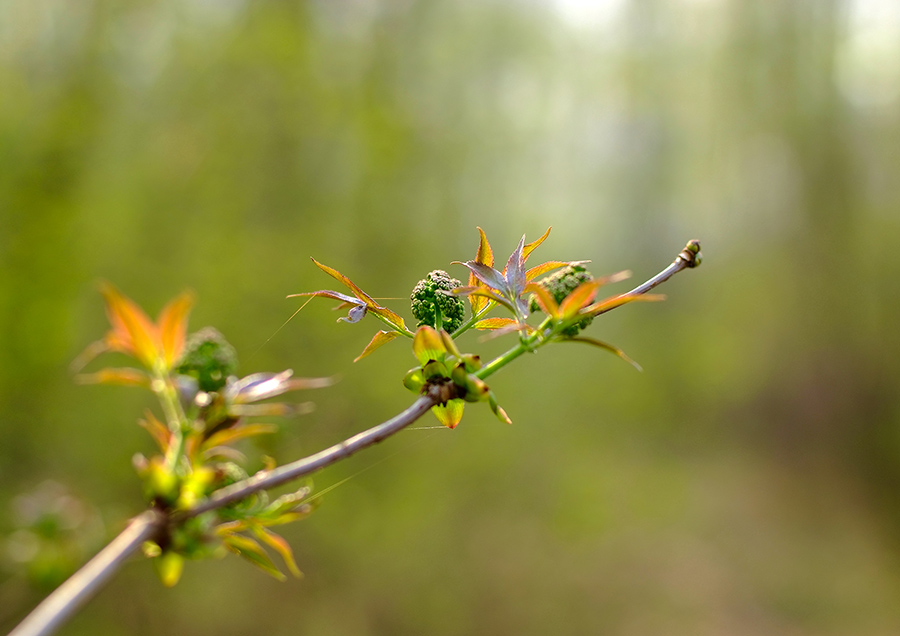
(208, 358)
(433, 305)
(560, 284)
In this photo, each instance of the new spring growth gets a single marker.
(204, 405)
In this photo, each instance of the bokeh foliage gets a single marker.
(745, 483)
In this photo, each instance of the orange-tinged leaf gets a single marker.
(388, 315)
(484, 255)
(450, 414)
(172, 324)
(346, 281)
(494, 323)
(545, 299)
(93, 350)
(282, 547)
(379, 339)
(617, 301)
(578, 298)
(124, 376)
(158, 431)
(427, 345)
(132, 331)
(528, 249)
(235, 433)
(543, 268)
(608, 347)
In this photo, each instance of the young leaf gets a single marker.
(515, 272)
(450, 414)
(617, 301)
(528, 249)
(172, 323)
(605, 345)
(235, 433)
(250, 550)
(346, 281)
(282, 547)
(169, 566)
(125, 376)
(427, 345)
(485, 256)
(132, 331)
(379, 339)
(157, 430)
(578, 297)
(494, 323)
(545, 300)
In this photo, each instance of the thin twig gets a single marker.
(81, 586)
(308, 465)
(688, 257)
(68, 597)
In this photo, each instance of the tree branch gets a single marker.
(73, 593)
(264, 480)
(81, 586)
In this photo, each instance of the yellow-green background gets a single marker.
(745, 483)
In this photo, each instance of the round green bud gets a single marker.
(208, 358)
(432, 302)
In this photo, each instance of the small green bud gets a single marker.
(432, 303)
(208, 358)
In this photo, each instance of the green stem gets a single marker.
(175, 418)
(689, 257)
(404, 332)
(471, 321)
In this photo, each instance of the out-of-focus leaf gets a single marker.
(545, 299)
(172, 324)
(605, 345)
(427, 345)
(235, 433)
(250, 550)
(169, 567)
(158, 431)
(297, 384)
(578, 297)
(617, 301)
(450, 414)
(379, 339)
(132, 331)
(258, 386)
(124, 376)
(494, 323)
(271, 409)
(282, 547)
(226, 453)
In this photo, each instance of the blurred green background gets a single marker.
(745, 483)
